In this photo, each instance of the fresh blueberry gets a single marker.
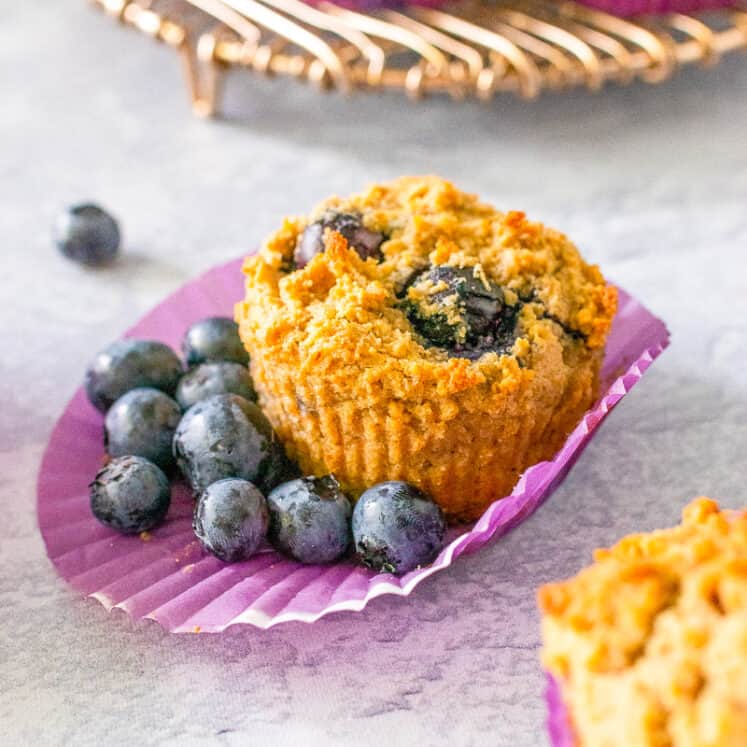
(87, 234)
(366, 243)
(310, 519)
(454, 309)
(397, 528)
(223, 436)
(231, 519)
(130, 495)
(214, 339)
(142, 423)
(207, 379)
(127, 364)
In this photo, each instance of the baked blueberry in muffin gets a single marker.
(459, 310)
(350, 226)
(414, 333)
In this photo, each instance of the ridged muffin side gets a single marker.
(353, 388)
(649, 644)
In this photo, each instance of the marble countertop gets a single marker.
(650, 182)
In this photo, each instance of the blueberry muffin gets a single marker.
(649, 644)
(414, 333)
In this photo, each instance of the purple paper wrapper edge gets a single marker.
(623, 8)
(642, 7)
(558, 721)
(169, 579)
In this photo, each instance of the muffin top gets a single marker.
(651, 640)
(414, 283)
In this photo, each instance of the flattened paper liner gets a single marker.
(165, 576)
(558, 721)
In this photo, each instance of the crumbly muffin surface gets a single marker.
(649, 644)
(429, 314)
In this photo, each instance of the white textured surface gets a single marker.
(652, 183)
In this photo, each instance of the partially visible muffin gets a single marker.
(638, 7)
(649, 644)
(414, 333)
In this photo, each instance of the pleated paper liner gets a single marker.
(559, 725)
(164, 575)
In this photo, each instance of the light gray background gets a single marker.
(651, 183)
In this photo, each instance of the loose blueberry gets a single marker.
(142, 423)
(127, 364)
(454, 309)
(366, 243)
(130, 495)
(223, 436)
(87, 234)
(208, 379)
(310, 519)
(231, 519)
(214, 339)
(397, 528)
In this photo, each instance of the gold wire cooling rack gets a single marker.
(461, 49)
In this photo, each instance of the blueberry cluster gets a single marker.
(204, 421)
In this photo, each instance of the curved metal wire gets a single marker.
(467, 48)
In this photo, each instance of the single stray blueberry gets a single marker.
(223, 436)
(367, 243)
(214, 339)
(130, 495)
(222, 377)
(87, 234)
(142, 423)
(397, 527)
(231, 519)
(127, 364)
(310, 519)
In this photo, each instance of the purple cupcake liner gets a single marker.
(558, 720)
(164, 575)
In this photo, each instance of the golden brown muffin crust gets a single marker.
(336, 334)
(649, 644)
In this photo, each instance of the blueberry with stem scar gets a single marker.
(310, 519)
(397, 528)
(130, 495)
